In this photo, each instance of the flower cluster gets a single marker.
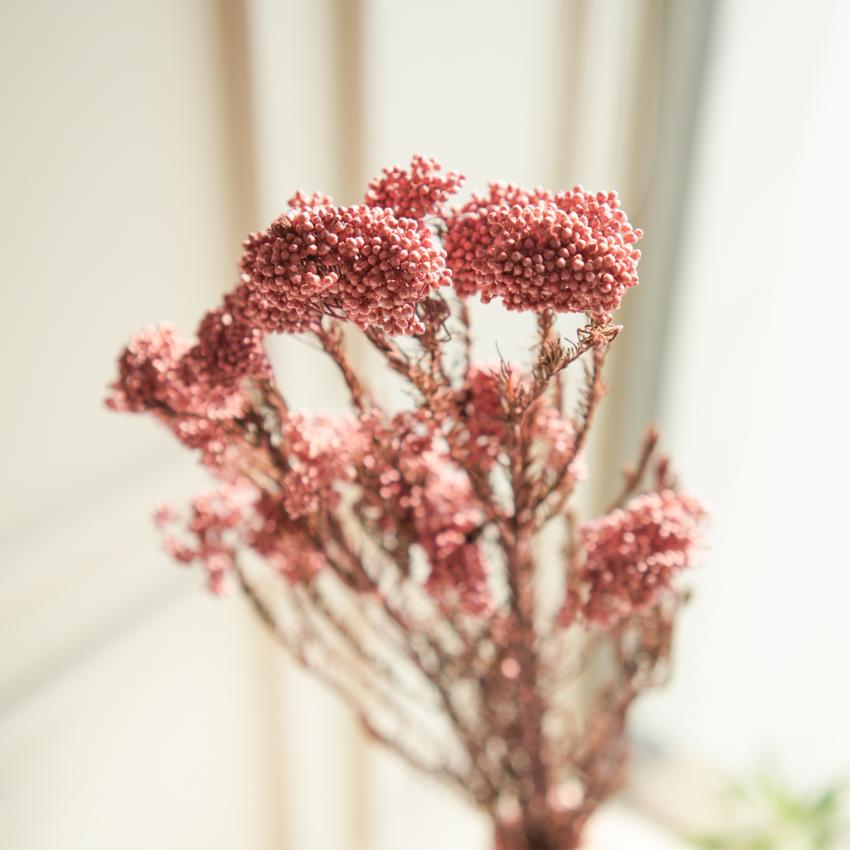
(361, 263)
(633, 554)
(423, 498)
(416, 193)
(211, 535)
(285, 545)
(320, 454)
(570, 252)
(149, 374)
(229, 347)
(238, 515)
(447, 521)
(161, 372)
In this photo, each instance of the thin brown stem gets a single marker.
(633, 475)
(330, 337)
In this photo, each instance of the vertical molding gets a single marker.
(349, 112)
(573, 19)
(238, 133)
(237, 130)
(349, 98)
(668, 74)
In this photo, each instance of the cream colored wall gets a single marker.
(117, 213)
(130, 704)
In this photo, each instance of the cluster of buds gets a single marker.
(392, 552)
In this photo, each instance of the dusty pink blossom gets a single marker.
(229, 348)
(556, 437)
(388, 462)
(250, 308)
(468, 235)
(212, 530)
(447, 521)
(160, 371)
(633, 554)
(208, 436)
(412, 539)
(484, 413)
(284, 544)
(360, 263)
(416, 193)
(426, 499)
(148, 371)
(571, 251)
(277, 295)
(320, 452)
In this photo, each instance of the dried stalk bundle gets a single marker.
(393, 552)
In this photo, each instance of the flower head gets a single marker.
(484, 414)
(416, 193)
(447, 519)
(212, 530)
(633, 553)
(319, 452)
(273, 534)
(148, 370)
(229, 348)
(361, 263)
(571, 251)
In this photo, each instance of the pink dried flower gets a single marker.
(572, 252)
(426, 499)
(388, 463)
(416, 193)
(209, 436)
(161, 372)
(484, 414)
(277, 296)
(447, 521)
(360, 263)
(237, 513)
(633, 554)
(148, 371)
(213, 530)
(320, 451)
(556, 434)
(229, 348)
(468, 234)
(274, 535)
(251, 308)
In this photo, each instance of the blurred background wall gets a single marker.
(141, 142)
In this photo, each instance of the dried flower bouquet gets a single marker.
(392, 552)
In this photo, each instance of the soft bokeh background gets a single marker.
(141, 140)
